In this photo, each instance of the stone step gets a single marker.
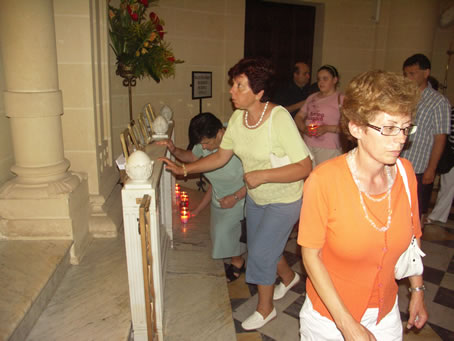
(92, 301)
(30, 272)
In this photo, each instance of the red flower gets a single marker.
(134, 16)
(129, 9)
(144, 2)
(171, 59)
(160, 30)
(154, 18)
(165, 71)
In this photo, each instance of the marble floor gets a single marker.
(438, 243)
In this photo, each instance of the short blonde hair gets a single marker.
(377, 91)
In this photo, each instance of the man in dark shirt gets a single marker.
(293, 96)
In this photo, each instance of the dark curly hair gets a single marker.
(259, 72)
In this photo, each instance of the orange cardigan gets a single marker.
(359, 259)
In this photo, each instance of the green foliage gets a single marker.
(137, 39)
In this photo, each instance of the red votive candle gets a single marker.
(312, 129)
(184, 217)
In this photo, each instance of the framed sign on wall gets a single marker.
(201, 84)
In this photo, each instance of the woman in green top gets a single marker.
(226, 192)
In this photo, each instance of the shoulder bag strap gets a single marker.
(403, 174)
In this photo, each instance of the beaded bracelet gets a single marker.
(185, 173)
(421, 288)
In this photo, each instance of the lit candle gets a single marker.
(184, 217)
(313, 129)
(184, 203)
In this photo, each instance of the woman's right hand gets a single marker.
(168, 143)
(357, 332)
(172, 166)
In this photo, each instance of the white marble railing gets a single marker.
(161, 188)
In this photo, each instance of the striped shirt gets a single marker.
(432, 118)
(451, 137)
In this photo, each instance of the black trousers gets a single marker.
(424, 193)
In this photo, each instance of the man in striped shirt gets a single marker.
(425, 147)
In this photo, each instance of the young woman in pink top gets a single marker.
(318, 119)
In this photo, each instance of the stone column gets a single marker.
(44, 200)
(33, 101)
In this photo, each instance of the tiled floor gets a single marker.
(438, 243)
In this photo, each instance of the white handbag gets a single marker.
(275, 160)
(409, 262)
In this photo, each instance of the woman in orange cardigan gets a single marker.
(356, 220)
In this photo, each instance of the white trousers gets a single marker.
(315, 327)
(444, 198)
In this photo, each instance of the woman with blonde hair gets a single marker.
(356, 219)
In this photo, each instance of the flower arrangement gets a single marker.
(138, 41)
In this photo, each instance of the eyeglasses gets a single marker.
(393, 130)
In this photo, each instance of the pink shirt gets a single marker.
(323, 111)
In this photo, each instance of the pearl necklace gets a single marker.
(259, 121)
(351, 163)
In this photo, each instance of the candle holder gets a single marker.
(184, 216)
(312, 129)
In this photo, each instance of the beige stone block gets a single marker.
(171, 3)
(350, 11)
(356, 60)
(236, 6)
(216, 6)
(234, 51)
(410, 37)
(120, 109)
(86, 162)
(39, 208)
(350, 36)
(5, 137)
(76, 83)
(73, 39)
(75, 7)
(207, 52)
(215, 27)
(78, 129)
(421, 11)
(379, 59)
(5, 166)
(381, 37)
(234, 26)
(190, 24)
(38, 229)
(79, 209)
